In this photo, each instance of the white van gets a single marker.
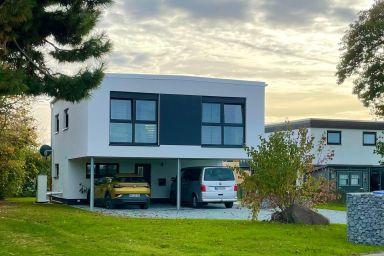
(203, 185)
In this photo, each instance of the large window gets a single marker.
(223, 122)
(334, 137)
(350, 178)
(102, 170)
(369, 138)
(133, 119)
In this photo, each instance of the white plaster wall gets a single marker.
(351, 151)
(68, 143)
(98, 115)
(88, 133)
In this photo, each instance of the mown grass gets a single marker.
(333, 206)
(32, 229)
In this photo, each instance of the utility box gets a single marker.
(41, 192)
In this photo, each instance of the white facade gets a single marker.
(88, 131)
(355, 166)
(351, 151)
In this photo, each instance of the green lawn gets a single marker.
(32, 229)
(333, 206)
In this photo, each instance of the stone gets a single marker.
(365, 222)
(299, 214)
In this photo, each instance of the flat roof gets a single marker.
(326, 123)
(179, 78)
(184, 78)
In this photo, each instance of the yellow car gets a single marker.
(122, 189)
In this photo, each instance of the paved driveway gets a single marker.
(211, 211)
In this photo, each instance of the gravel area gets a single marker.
(211, 211)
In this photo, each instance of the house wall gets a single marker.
(98, 115)
(89, 120)
(67, 143)
(351, 151)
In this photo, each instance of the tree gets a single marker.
(34, 165)
(363, 57)
(281, 173)
(17, 139)
(35, 32)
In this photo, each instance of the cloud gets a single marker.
(344, 14)
(214, 9)
(222, 10)
(143, 8)
(290, 13)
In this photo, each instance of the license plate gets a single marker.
(219, 188)
(134, 195)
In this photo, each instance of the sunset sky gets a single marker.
(292, 45)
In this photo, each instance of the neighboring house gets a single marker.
(147, 124)
(355, 166)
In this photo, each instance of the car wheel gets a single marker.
(229, 205)
(108, 201)
(172, 198)
(144, 206)
(195, 202)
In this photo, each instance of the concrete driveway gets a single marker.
(211, 211)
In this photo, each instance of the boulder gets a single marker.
(299, 214)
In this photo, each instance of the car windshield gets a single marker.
(129, 179)
(221, 174)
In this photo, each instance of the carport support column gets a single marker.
(178, 199)
(92, 192)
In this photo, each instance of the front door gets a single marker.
(145, 171)
(375, 180)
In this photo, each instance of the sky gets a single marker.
(292, 45)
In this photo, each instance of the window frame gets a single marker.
(97, 169)
(346, 173)
(57, 123)
(359, 179)
(224, 101)
(370, 133)
(133, 97)
(333, 143)
(66, 119)
(349, 173)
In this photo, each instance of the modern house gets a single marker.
(152, 125)
(355, 166)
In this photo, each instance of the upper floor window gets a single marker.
(57, 123)
(133, 118)
(222, 122)
(66, 119)
(369, 138)
(334, 137)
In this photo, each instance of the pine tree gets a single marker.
(33, 32)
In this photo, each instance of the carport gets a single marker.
(92, 183)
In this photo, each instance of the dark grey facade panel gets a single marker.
(229, 100)
(134, 95)
(326, 123)
(180, 119)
